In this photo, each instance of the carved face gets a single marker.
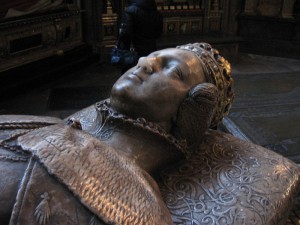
(156, 86)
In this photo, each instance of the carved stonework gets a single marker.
(36, 37)
(109, 26)
(236, 183)
(182, 25)
(146, 166)
(109, 31)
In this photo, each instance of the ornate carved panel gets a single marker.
(182, 25)
(181, 17)
(24, 40)
(109, 27)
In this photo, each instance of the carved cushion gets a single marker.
(230, 181)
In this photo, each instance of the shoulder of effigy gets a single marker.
(27, 119)
(74, 157)
(87, 117)
(12, 126)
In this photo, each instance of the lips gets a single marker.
(135, 77)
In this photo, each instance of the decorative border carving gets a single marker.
(58, 32)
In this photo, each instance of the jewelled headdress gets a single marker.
(217, 71)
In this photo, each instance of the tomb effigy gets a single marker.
(150, 154)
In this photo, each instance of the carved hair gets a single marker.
(195, 114)
(217, 71)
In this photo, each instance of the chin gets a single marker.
(121, 103)
(127, 107)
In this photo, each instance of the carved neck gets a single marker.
(144, 142)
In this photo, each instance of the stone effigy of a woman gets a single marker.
(150, 154)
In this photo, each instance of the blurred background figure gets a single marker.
(140, 27)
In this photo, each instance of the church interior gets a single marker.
(54, 59)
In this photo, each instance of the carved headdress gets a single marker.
(217, 71)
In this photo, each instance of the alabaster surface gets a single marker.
(225, 181)
(150, 154)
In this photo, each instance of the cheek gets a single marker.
(167, 98)
(175, 90)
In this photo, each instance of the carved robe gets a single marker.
(73, 178)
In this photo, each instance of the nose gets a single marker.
(147, 64)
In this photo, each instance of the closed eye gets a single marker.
(178, 72)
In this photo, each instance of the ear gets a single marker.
(195, 113)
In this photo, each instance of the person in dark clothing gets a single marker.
(140, 27)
